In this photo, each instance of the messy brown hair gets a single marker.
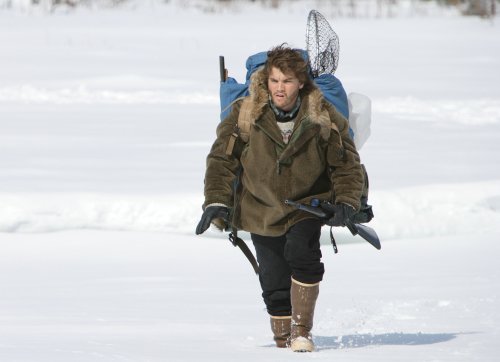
(289, 61)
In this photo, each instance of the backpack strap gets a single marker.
(245, 119)
(228, 107)
(243, 126)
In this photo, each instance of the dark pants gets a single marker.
(296, 254)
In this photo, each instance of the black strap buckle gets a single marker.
(332, 239)
(233, 238)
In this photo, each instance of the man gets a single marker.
(283, 141)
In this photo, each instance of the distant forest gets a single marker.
(347, 8)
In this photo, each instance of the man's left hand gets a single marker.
(342, 216)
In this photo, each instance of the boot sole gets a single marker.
(302, 344)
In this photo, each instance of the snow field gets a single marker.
(106, 118)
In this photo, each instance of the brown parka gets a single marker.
(320, 161)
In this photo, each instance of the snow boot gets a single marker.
(303, 297)
(281, 327)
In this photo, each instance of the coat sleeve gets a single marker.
(222, 169)
(343, 159)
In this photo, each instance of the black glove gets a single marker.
(364, 215)
(210, 214)
(343, 215)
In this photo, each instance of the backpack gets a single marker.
(232, 91)
(356, 108)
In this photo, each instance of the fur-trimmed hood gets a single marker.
(253, 106)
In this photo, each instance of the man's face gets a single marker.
(284, 89)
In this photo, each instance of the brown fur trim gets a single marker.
(219, 223)
(318, 113)
(253, 106)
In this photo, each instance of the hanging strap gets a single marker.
(332, 239)
(237, 241)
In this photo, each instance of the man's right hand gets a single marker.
(210, 214)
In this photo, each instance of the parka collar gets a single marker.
(314, 104)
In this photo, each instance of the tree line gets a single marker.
(351, 8)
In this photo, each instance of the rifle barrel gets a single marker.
(311, 209)
(222, 69)
(364, 231)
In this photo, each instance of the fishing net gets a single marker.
(322, 45)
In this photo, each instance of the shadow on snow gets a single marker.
(398, 339)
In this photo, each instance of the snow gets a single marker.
(106, 118)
